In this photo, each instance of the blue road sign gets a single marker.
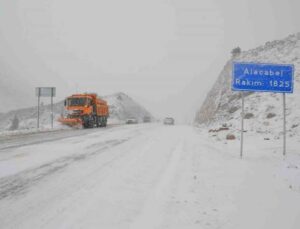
(262, 77)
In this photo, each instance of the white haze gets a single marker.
(164, 53)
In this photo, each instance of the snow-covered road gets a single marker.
(18, 139)
(146, 176)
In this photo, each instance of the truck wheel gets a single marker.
(104, 121)
(91, 122)
(88, 122)
(85, 122)
(99, 123)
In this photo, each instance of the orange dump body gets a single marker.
(87, 110)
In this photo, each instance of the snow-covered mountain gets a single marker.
(263, 111)
(121, 107)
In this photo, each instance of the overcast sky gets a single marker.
(153, 50)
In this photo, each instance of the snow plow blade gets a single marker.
(70, 121)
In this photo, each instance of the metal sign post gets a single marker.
(38, 107)
(284, 124)
(52, 109)
(242, 126)
(258, 77)
(45, 92)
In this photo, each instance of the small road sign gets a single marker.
(45, 91)
(262, 77)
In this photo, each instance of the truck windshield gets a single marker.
(77, 102)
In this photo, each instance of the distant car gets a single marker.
(169, 121)
(147, 119)
(131, 121)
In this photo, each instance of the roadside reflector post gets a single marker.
(242, 124)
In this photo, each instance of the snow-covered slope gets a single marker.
(263, 110)
(27, 117)
(121, 107)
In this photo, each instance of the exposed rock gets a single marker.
(218, 130)
(248, 116)
(230, 137)
(271, 115)
(232, 109)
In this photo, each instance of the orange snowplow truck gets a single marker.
(85, 109)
